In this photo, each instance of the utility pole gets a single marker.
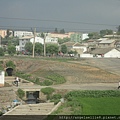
(44, 46)
(45, 35)
(34, 42)
(0, 42)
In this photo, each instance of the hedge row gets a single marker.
(93, 93)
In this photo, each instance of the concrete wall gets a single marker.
(113, 54)
(2, 78)
(86, 55)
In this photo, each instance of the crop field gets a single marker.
(89, 103)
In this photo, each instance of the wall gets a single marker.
(2, 75)
(112, 54)
(86, 55)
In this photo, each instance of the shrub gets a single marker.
(46, 83)
(56, 96)
(20, 93)
(58, 79)
(1, 52)
(93, 93)
(10, 64)
(47, 90)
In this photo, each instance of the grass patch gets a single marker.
(100, 106)
(56, 78)
(91, 103)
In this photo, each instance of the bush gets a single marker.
(46, 83)
(10, 64)
(93, 93)
(1, 52)
(20, 93)
(58, 79)
(47, 90)
(56, 96)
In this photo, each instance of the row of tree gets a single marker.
(50, 48)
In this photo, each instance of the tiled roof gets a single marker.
(107, 41)
(101, 50)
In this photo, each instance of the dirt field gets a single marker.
(75, 72)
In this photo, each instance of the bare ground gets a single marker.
(74, 72)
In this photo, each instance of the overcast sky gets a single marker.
(72, 15)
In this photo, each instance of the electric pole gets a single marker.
(44, 46)
(34, 42)
(45, 35)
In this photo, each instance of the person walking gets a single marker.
(119, 85)
(17, 80)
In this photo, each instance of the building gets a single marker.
(51, 40)
(106, 52)
(22, 33)
(3, 33)
(85, 36)
(76, 37)
(24, 40)
(106, 43)
(58, 35)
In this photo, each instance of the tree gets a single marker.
(60, 41)
(62, 31)
(38, 48)
(106, 32)
(52, 49)
(118, 32)
(8, 33)
(94, 35)
(56, 30)
(29, 47)
(1, 52)
(11, 49)
(42, 35)
(64, 49)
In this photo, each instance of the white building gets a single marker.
(85, 36)
(51, 40)
(24, 40)
(37, 39)
(22, 33)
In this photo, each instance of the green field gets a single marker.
(100, 106)
(91, 103)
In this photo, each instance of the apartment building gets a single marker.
(22, 33)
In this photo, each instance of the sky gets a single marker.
(70, 15)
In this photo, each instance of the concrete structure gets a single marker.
(32, 109)
(22, 33)
(2, 75)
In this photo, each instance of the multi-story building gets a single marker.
(24, 40)
(22, 33)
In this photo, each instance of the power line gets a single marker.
(43, 28)
(60, 21)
